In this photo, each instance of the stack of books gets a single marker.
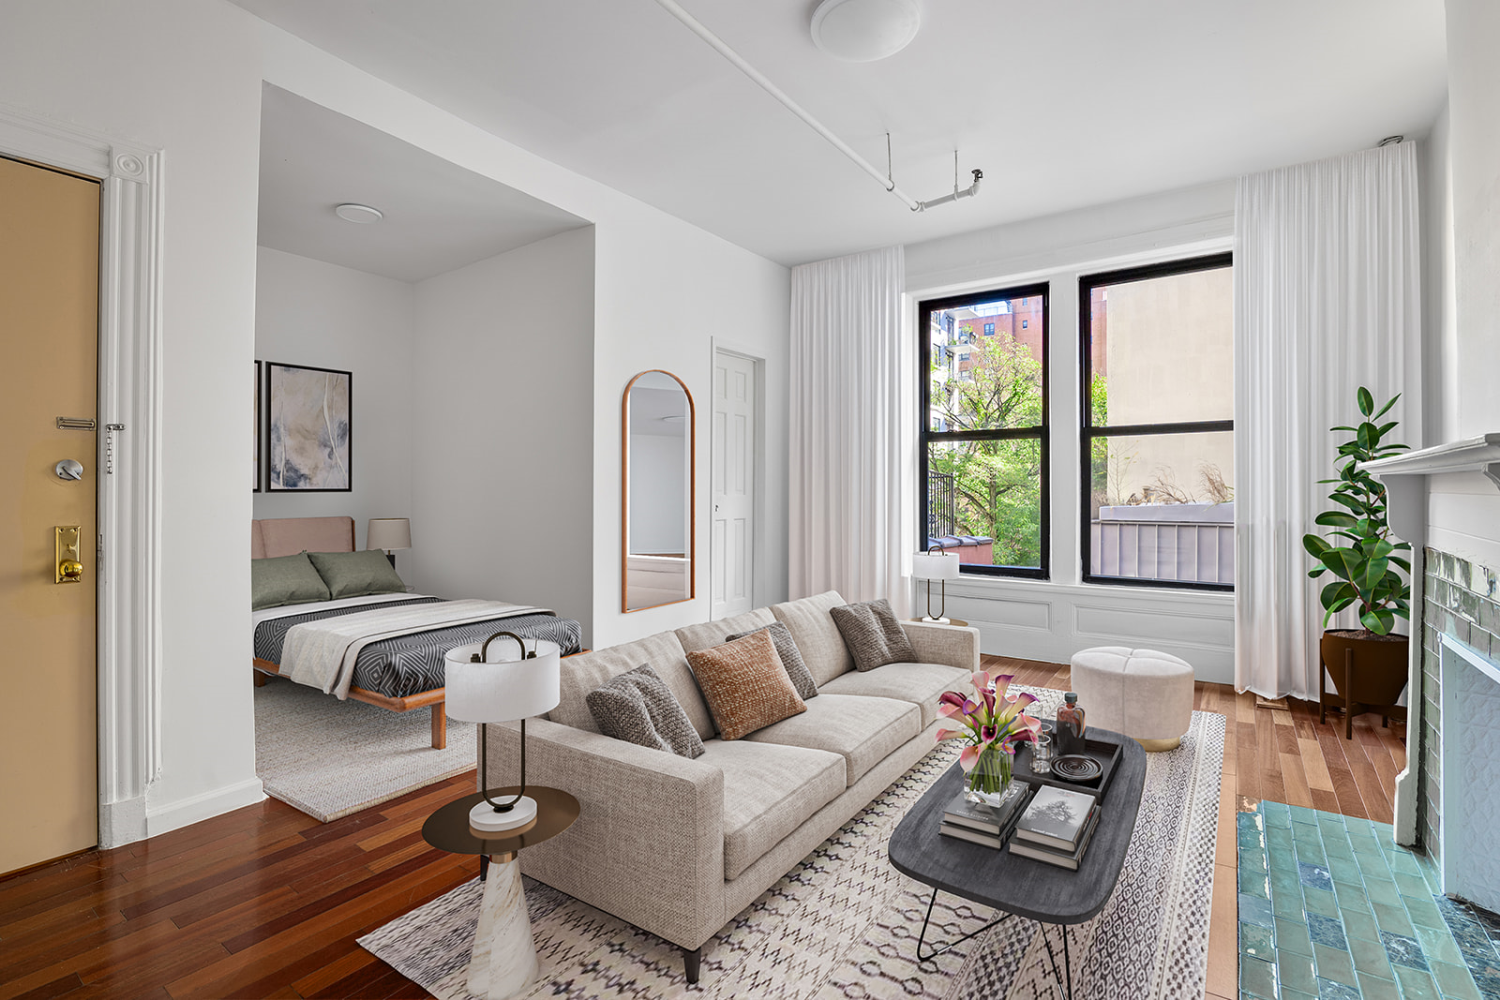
(1056, 827)
(980, 824)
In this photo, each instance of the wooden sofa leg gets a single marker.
(440, 726)
(692, 962)
(260, 678)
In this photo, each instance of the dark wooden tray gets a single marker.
(1106, 753)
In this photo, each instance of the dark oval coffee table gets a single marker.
(1021, 886)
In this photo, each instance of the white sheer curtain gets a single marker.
(1327, 298)
(852, 424)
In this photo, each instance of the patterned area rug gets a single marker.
(330, 758)
(844, 923)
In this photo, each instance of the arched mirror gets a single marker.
(657, 499)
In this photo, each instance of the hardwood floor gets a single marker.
(267, 902)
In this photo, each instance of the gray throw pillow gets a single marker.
(791, 657)
(354, 574)
(873, 634)
(285, 580)
(638, 707)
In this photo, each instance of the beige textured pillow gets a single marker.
(745, 685)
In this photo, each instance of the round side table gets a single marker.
(504, 961)
(950, 621)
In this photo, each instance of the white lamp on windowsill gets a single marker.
(934, 564)
(501, 685)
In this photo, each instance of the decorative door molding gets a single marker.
(129, 512)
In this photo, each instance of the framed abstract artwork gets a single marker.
(308, 429)
(255, 435)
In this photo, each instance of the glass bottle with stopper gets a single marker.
(1068, 739)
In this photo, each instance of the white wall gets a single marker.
(184, 76)
(503, 429)
(1462, 297)
(308, 312)
(1053, 619)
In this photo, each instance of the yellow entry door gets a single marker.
(49, 322)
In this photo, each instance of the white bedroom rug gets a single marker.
(330, 758)
(843, 923)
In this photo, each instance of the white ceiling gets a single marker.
(1063, 103)
(438, 216)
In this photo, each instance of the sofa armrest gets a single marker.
(950, 645)
(648, 845)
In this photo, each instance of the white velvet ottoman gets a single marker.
(1142, 693)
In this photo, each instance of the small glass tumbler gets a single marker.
(1041, 754)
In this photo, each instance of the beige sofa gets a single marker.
(678, 847)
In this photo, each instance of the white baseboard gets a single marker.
(196, 808)
(122, 822)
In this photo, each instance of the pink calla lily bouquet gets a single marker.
(993, 722)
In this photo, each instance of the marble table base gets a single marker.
(504, 962)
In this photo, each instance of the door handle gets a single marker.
(69, 564)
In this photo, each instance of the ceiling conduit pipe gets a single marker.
(697, 28)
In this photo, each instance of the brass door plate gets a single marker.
(69, 564)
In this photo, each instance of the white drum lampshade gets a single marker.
(931, 566)
(389, 533)
(508, 686)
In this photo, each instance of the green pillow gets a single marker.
(353, 574)
(285, 580)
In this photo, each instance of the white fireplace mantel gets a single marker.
(1405, 479)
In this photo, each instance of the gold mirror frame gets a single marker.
(692, 473)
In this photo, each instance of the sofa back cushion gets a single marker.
(587, 671)
(817, 637)
(710, 634)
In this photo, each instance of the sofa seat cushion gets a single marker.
(769, 791)
(817, 637)
(917, 683)
(706, 635)
(864, 730)
(587, 671)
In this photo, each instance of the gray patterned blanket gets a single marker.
(410, 664)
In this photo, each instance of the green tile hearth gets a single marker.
(1330, 908)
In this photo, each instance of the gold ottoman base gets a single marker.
(1159, 746)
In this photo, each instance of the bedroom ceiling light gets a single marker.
(865, 30)
(886, 181)
(362, 214)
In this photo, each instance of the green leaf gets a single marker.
(1380, 622)
(1387, 407)
(1366, 401)
(1314, 545)
(1343, 562)
(1377, 548)
(1335, 519)
(1337, 593)
(1402, 563)
(1317, 571)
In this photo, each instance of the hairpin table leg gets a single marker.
(935, 952)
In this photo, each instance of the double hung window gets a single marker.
(1157, 346)
(984, 430)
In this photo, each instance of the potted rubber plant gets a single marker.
(1368, 664)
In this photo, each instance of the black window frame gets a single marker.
(1041, 432)
(1086, 285)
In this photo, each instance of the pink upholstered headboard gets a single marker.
(286, 536)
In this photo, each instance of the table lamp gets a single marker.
(389, 533)
(934, 564)
(503, 690)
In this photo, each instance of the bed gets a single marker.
(392, 658)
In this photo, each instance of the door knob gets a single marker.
(69, 566)
(69, 469)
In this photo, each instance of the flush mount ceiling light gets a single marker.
(362, 214)
(865, 30)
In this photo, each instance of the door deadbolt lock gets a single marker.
(69, 564)
(69, 470)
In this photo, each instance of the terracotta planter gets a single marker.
(1369, 673)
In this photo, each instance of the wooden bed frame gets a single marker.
(287, 536)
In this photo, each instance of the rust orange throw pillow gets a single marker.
(745, 685)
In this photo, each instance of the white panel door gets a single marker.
(732, 545)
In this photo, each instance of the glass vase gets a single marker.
(990, 781)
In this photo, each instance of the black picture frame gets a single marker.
(341, 449)
(255, 410)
